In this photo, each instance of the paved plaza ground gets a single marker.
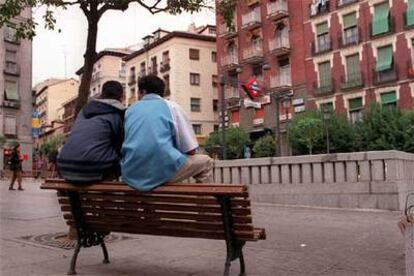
(300, 241)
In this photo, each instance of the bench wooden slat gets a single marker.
(166, 198)
(167, 215)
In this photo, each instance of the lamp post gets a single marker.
(222, 83)
(278, 96)
(326, 118)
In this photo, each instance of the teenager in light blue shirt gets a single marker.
(160, 143)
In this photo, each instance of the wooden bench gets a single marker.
(206, 211)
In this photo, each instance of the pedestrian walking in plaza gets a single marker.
(160, 144)
(92, 152)
(16, 168)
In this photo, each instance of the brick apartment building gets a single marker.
(329, 54)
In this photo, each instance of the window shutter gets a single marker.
(388, 97)
(350, 20)
(12, 93)
(380, 22)
(384, 60)
(410, 13)
(325, 74)
(355, 104)
(352, 66)
(322, 28)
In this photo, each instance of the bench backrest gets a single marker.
(182, 210)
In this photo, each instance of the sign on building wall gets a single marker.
(35, 124)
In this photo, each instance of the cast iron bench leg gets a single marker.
(242, 267)
(105, 252)
(72, 267)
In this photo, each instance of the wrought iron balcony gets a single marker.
(386, 76)
(281, 82)
(354, 39)
(227, 31)
(352, 81)
(325, 87)
(132, 79)
(229, 62)
(321, 48)
(280, 46)
(391, 28)
(252, 19)
(277, 10)
(165, 66)
(253, 55)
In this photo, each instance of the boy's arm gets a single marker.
(185, 137)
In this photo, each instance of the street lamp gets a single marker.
(326, 118)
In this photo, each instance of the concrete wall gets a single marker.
(373, 180)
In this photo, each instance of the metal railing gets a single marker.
(385, 76)
(279, 42)
(251, 18)
(229, 60)
(352, 81)
(324, 87)
(354, 39)
(281, 80)
(279, 6)
(251, 52)
(320, 48)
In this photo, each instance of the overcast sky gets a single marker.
(59, 55)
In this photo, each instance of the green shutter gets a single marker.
(352, 66)
(326, 107)
(380, 22)
(322, 28)
(384, 60)
(11, 91)
(350, 20)
(355, 104)
(388, 98)
(325, 74)
(410, 13)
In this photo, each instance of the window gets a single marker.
(10, 56)
(384, 66)
(214, 80)
(258, 73)
(214, 56)
(12, 92)
(284, 72)
(325, 81)
(322, 37)
(350, 29)
(327, 107)
(355, 110)
(380, 22)
(195, 104)
(194, 79)
(389, 99)
(132, 75)
(216, 128)
(154, 66)
(256, 43)
(352, 67)
(10, 126)
(215, 105)
(197, 129)
(194, 54)
(10, 34)
(166, 57)
(142, 70)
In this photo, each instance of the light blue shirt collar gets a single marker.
(151, 96)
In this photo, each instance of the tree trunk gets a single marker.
(90, 57)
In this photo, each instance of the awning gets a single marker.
(322, 28)
(410, 13)
(380, 22)
(388, 97)
(384, 61)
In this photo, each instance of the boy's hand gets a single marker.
(192, 152)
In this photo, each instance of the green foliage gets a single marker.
(227, 8)
(386, 128)
(53, 144)
(2, 140)
(265, 147)
(236, 139)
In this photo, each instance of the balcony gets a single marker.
(386, 76)
(12, 69)
(352, 81)
(277, 10)
(230, 62)
(10, 35)
(165, 66)
(325, 87)
(231, 92)
(132, 79)
(227, 32)
(280, 46)
(317, 9)
(252, 19)
(344, 3)
(321, 48)
(345, 40)
(281, 82)
(391, 28)
(253, 55)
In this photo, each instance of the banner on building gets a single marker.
(35, 124)
(252, 88)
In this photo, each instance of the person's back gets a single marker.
(92, 151)
(158, 141)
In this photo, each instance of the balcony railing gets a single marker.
(231, 92)
(342, 3)
(280, 45)
(325, 87)
(227, 32)
(12, 69)
(281, 81)
(391, 28)
(386, 76)
(277, 10)
(354, 39)
(320, 48)
(230, 61)
(165, 66)
(251, 19)
(318, 9)
(253, 54)
(352, 81)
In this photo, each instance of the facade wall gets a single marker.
(180, 67)
(21, 73)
